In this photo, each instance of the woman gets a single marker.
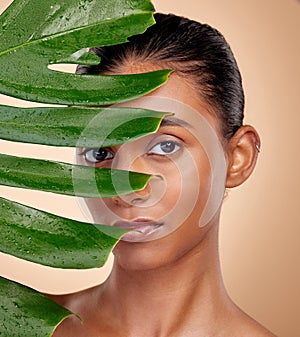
(166, 279)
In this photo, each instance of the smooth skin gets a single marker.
(171, 286)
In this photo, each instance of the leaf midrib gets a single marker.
(32, 42)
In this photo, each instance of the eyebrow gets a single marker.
(173, 121)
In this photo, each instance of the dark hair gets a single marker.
(187, 47)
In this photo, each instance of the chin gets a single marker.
(185, 242)
(142, 256)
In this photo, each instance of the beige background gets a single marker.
(260, 234)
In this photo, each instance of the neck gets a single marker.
(172, 299)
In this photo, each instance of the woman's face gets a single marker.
(175, 212)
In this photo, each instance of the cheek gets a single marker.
(189, 190)
(200, 190)
(172, 176)
(97, 209)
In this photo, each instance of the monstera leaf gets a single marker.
(59, 242)
(25, 312)
(34, 35)
(38, 33)
(75, 126)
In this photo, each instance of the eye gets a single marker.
(165, 148)
(98, 155)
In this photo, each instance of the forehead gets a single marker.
(180, 87)
(181, 114)
(178, 97)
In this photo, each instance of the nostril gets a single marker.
(137, 201)
(133, 198)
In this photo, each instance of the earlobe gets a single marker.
(243, 149)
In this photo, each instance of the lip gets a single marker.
(140, 229)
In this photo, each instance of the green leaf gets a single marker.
(68, 179)
(34, 35)
(61, 32)
(77, 127)
(54, 241)
(27, 313)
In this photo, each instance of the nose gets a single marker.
(133, 199)
(125, 161)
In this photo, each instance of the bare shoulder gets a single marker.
(81, 304)
(259, 331)
(248, 327)
(70, 300)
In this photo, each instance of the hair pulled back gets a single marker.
(193, 50)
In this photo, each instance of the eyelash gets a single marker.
(108, 154)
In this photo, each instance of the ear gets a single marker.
(242, 152)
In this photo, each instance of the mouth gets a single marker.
(141, 229)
